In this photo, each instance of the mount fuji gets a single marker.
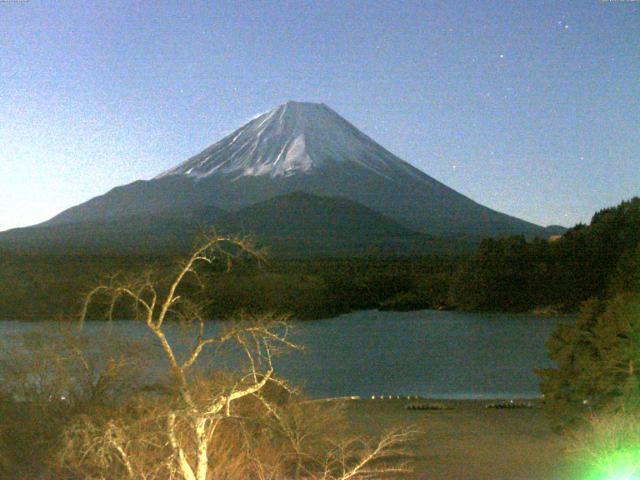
(295, 148)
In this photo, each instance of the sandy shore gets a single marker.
(469, 441)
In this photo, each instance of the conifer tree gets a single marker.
(598, 362)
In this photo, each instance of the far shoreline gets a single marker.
(542, 312)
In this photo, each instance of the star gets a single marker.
(502, 55)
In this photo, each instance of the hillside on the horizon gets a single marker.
(300, 148)
(295, 224)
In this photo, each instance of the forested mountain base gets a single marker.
(41, 287)
(505, 274)
(513, 274)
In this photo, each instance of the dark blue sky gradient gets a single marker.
(529, 107)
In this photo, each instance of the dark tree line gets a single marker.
(44, 286)
(514, 274)
(598, 356)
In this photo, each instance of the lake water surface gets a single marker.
(429, 353)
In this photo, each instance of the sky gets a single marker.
(529, 107)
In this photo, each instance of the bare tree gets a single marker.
(238, 424)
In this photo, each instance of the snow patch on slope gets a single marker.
(294, 138)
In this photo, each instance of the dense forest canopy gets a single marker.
(587, 261)
(47, 286)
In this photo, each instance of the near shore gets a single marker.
(467, 441)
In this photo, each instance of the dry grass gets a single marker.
(469, 441)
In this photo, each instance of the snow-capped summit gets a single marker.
(301, 147)
(293, 138)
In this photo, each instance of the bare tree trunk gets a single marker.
(202, 454)
(183, 464)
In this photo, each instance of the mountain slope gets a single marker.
(296, 223)
(310, 148)
(300, 223)
(136, 233)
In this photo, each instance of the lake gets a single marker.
(435, 354)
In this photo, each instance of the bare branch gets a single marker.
(196, 413)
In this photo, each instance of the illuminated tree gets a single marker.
(210, 422)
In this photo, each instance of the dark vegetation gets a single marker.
(598, 357)
(596, 384)
(598, 360)
(49, 286)
(505, 274)
(513, 274)
(42, 286)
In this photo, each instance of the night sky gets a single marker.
(529, 107)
